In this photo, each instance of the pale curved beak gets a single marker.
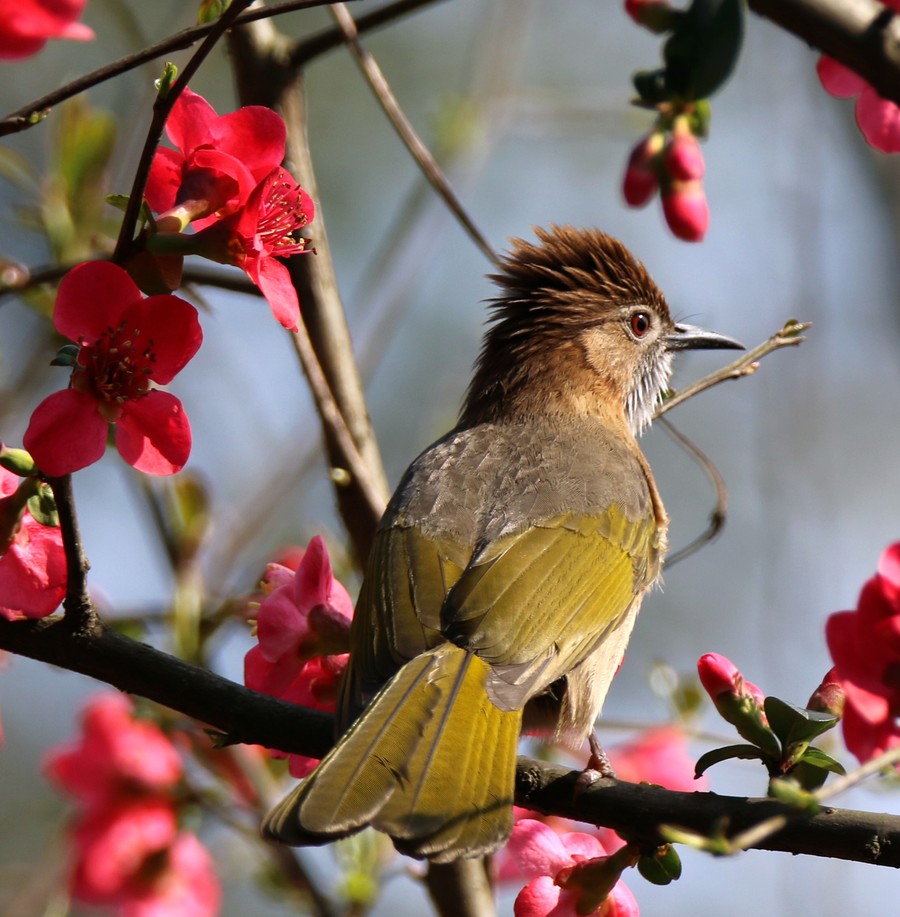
(690, 337)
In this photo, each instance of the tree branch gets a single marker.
(864, 35)
(637, 811)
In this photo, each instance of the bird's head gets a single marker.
(579, 327)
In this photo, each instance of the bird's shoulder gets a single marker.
(489, 481)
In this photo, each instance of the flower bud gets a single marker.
(683, 159)
(829, 696)
(641, 176)
(686, 210)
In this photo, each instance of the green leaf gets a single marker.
(790, 792)
(795, 725)
(704, 47)
(745, 752)
(67, 355)
(661, 868)
(42, 506)
(818, 758)
(651, 87)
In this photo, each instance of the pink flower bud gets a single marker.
(829, 696)
(641, 175)
(686, 210)
(718, 675)
(683, 159)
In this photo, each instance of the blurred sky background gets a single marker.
(802, 226)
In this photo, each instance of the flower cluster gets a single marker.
(26, 25)
(126, 345)
(128, 851)
(865, 647)
(303, 625)
(878, 119)
(670, 162)
(225, 179)
(32, 562)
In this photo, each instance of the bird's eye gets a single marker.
(640, 324)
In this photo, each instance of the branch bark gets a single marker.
(864, 35)
(635, 810)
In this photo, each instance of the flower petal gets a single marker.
(537, 848)
(164, 179)
(32, 572)
(539, 898)
(879, 120)
(253, 134)
(190, 121)
(92, 298)
(171, 326)
(154, 434)
(274, 280)
(838, 80)
(66, 433)
(312, 582)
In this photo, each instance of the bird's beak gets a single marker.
(690, 337)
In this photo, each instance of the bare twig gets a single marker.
(720, 510)
(407, 133)
(789, 336)
(80, 613)
(35, 111)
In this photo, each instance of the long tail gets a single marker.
(431, 762)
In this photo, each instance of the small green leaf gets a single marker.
(795, 725)
(651, 87)
(661, 868)
(66, 356)
(817, 758)
(42, 506)
(746, 752)
(164, 83)
(790, 792)
(18, 461)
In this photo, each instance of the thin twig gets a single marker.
(34, 112)
(333, 419)
(789, 336)
(720, 510)
(420, 153)
(80, 612)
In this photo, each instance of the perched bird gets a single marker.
(510, 564)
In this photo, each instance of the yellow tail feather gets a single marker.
(431, 762)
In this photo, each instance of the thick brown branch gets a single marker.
(636, 811)
(862, 34)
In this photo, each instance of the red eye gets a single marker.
(640, 324)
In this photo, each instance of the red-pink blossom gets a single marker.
(115, 756)
(551, 861)
(878, 119)
(262, 231)
(127, 343)
(26, 25)
(218, 160)
(32, 562)
(865, 647)
(132, 858)
(657, 756)
(686, 210)
(303, 628)
(720, 676)
(683, 158)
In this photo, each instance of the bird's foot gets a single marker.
(598, 767)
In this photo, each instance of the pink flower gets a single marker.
(127, 343)
(26, 25)
(303, 626)
(260, 233)
(878, 119)
(561, 868)
(115, 756)
(131, 857)
(657, 756)
(218, 161)
(32, 563)
(686, 210)
(865, 647)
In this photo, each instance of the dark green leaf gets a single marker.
(795, 725)
(43, 507)
(746, 752)
(66, 356)
(651, 87)
(704, 47)
(661, 868)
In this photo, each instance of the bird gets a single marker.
(510, 563)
